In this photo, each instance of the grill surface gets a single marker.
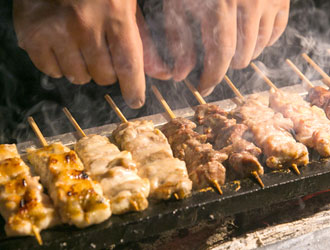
(163, 216)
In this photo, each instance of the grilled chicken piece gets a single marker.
(311, 125)
(152, 153)
(204, 164)
(272, 133)
(78, 199)
(230, 137)
(116, 172)
(24, 206)
(320, 97)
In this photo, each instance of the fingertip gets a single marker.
(206, 92)
(136, 103)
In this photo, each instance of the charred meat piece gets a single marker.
(311, 125)
(23, 205)
(153, 155)
(229, 137)
(320, 97)
(116, 172)
(204, 164)
(78, 199)
(272, 133)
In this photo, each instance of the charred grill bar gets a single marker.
(166, 215)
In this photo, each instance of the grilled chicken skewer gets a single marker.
(227, 135)
(150, 150)
(115, 170)
(78, 199)
(311, 126)
(326, 77)
(272, 133)
(24, 206)
(204, 164)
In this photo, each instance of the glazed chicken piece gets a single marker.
(78, 199)
(320, 97)
(23, 205)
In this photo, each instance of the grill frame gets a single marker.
(166, 215)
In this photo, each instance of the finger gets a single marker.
(179, 39)
(154, 66)
(71, 62)
(97, 57)
(44, 59)
(280, 24)
(265, 32)
(248, 20)
(219, 40)
(127, 57)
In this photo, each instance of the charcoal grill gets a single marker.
(163, 216)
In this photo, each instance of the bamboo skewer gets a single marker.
(74, 122)
(326, 77)
(232, 86)
(201, 100)
(263, 75)
(172, 115)
(272, 85)
(197, 95)
(299, 73)
(115, 108)
(124, 120)
(37, 131)
(44, 143)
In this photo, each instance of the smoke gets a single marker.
(25, 91)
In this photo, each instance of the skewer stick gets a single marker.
(263, 75)
(317, 68)
(176, 196)
(163, 102)
(233, 87)
(257, 177)
(115, 108)
(295, 168)
(172, 115)
(37, 234)
(202, 101)
(299, 73)
(197, 95)
(74, 122)
(37, 131)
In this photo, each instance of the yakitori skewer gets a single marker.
(242, 153)
(326, 77)
(271, 132)
(150, 150)
(311, 125)
(23, 205)
(78, 199)
(114, 169)
(299, 73)
(204, 164)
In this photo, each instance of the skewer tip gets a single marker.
(217, 186)
(176, 196)
(37, 235)
(295, 168)
(257, 177)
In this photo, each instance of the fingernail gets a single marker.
(136, 104)
(206, 92)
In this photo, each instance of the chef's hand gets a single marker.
(84, 40)
(233, 33)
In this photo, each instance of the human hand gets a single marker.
(233, 33)
(84, 40)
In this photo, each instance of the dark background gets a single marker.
(25, 91)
